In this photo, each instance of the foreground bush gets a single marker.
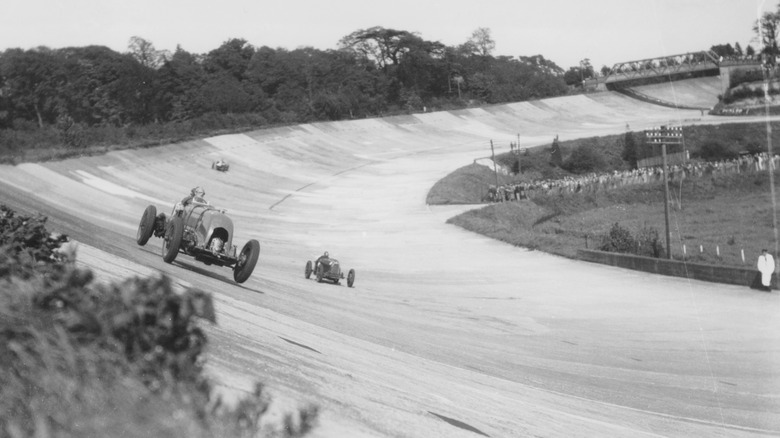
(126, 359)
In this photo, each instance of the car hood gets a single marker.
(204, 219)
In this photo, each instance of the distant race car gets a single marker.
(329, 269)
(220, 165)
(201, 231)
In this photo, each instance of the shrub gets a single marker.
(99, 360)
(715, 151)
(618, 239)
(585, 159)
(649, 243)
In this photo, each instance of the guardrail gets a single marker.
(676, 268)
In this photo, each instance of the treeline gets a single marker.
(77, 91)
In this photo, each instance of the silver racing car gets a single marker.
(201, 231)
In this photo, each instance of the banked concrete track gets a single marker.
(446, 333)
(687, 93)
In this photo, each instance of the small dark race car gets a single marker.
(220, 165)
(201, 231)
(328, 269)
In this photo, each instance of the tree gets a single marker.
(383, 46)
(586, 69)
(766, 29)
(543, 65)
(738, 50)
(573, 76)
(584, 159)
(105, 87)
(32, 79)
(144, 52)
(556, 156)
(180, 79)
(232, 56)
(715, 151)
(422, 70)
(724, 50)
(481, 43)
(629, 154)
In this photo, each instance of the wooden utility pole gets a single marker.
(493, 156)
(665, 135)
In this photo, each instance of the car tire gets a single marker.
(320, 271)
(172, 240)
(146, 226)
(307, 271)
(247, 260)
(351, 278)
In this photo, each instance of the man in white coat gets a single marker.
(766, 265)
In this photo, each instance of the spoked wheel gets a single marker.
(351, 278)
(173, 234)
(246, 261)
(320, 270)
(146, 226)
(307, 271)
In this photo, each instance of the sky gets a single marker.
(564, 31)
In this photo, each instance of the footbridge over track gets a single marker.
(693, 80)
(692, 63)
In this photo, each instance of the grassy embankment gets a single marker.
(728, 213)
(122, 360)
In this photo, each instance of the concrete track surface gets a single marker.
(691, 93)
(446, 333)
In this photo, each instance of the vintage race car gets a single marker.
(220, 165)
(329, 269)
(201, 231)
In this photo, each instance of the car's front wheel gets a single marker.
(146, 226)
(172, 240)
(320, 272)
(351, 278)
(307, 270)
(246, 261)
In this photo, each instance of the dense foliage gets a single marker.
(94, 95)
(124, 359)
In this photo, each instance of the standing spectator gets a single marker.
(766, 265)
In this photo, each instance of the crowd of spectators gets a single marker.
(596, 182)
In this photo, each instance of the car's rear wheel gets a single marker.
(307, 271)
(172, 240)
(146, 226)
(247, 260)
(351, 278)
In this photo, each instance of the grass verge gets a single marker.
(713, 219)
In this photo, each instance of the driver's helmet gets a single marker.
(198, 192)
(326, 254)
